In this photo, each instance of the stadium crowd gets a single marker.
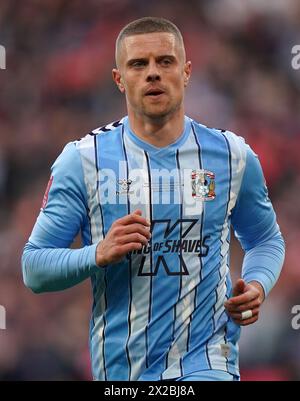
(57, 87)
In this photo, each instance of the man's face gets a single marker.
(152, 73)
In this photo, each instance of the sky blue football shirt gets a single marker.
(159, 313)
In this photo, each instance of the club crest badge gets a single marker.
(203, 185)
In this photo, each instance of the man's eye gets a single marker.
(166, 61)
(138, 64)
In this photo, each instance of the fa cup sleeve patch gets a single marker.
(45, 198)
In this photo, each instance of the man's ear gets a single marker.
(118, 79)
(187, 72)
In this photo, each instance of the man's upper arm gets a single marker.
(65, 206)
(253, 217)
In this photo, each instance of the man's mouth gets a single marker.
(154, 92)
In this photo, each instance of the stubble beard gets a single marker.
(160, 116)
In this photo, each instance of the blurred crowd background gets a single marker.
(57, 86)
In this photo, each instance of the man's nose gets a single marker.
(153, 77)
(153, 73)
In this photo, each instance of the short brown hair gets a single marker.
(149, 25)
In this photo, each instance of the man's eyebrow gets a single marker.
(145, 60)
(169, 56)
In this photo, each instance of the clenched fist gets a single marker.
(243, 307)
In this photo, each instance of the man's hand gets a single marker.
(246, 297)
(130, 233)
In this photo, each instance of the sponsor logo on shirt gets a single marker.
(169, 245)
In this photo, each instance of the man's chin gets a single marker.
(158, 114)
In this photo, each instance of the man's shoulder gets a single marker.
(88, 139)
(111, 127)
(213, 130)
(233, 140)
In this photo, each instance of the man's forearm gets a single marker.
(263, 263)
(48, 269)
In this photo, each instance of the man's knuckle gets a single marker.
(118, 249)
(117, 230)
(132, 218)
(116, 223)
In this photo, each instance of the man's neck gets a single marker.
(159, 133)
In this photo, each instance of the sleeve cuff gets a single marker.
(93, 264)
(263, 279)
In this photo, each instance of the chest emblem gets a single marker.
(203, 185)
(124, 186)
